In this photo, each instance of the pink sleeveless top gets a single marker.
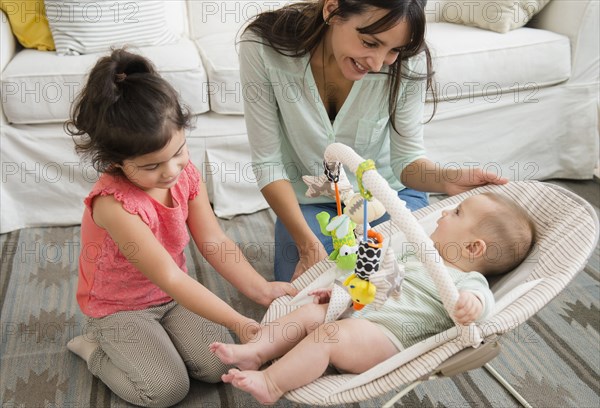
(108, 282)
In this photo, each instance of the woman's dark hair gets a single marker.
(125, 110)
(297, 29)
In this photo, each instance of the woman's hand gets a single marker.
(321, 295)
(464, 179)
(309, 256)
(468, 308)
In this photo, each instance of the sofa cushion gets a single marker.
(89, 27)
(498, 15)
(208, 16)
(29, 23)
(226, 164)
(39, 87)
(468, 62)
(471, 62)
(214, 26)
(219, 55)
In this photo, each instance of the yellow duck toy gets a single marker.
(360, 289)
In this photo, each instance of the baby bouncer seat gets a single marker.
(566, 235)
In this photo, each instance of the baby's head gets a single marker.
(488, 233)
(126, 110)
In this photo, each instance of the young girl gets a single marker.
(150, 322)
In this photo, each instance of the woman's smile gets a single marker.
(358, 67)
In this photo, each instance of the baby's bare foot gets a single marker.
(256, 383)
(239, 355)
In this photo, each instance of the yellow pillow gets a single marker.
(496, 15)
(29, 23)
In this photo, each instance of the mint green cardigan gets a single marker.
(289, 129)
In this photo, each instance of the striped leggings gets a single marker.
(146, 357)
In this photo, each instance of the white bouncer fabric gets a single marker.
(567, 232)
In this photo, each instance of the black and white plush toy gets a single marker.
(361, 289)
(369, 257)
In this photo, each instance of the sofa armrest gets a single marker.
(578, 20)
(8, 49)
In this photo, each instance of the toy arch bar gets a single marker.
(401, 216)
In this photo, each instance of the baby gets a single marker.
(486, 233)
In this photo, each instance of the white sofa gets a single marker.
(524, 104)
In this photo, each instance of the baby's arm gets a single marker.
(475, 300)
(139, 245)
(225, 256)
(468, 307)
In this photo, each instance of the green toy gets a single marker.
(341, 231)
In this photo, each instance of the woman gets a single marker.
(349, 71)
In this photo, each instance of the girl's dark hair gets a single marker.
(125, 110)
(297, 29)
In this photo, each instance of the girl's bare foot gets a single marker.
(239, 355)
(256, 383)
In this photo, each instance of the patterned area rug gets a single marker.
(553, 360)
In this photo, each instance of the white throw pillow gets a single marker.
(88, 26)
(496, 15)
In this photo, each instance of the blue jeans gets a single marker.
(286, 252)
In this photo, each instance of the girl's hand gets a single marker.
(273, 290)
(247, 330)
(468, 308)
(308, 257)
(464, 179)
(321, 295)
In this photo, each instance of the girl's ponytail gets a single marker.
(125, 110)
(108, 78)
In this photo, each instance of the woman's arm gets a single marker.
(154, 262)
(282, 199)
(261, 113)
(225, 256)
(425, 175)
(262, 122)
(407, 149)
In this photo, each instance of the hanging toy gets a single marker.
(332, 172)
(361, 290)
(339, 228)
(341, 231)
(354, 208)
(376, 273)
(352, 201)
